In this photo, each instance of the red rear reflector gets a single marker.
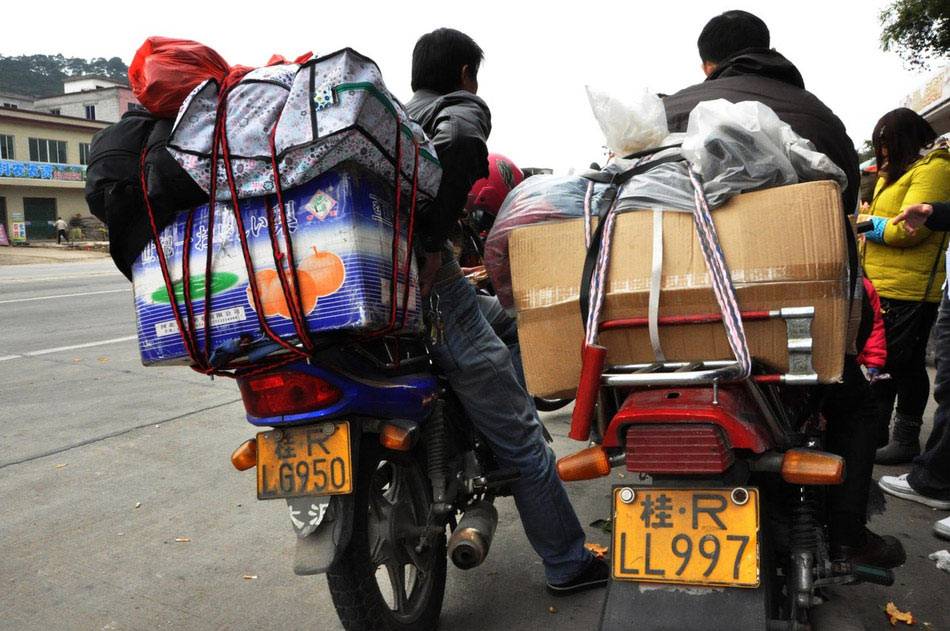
(280, 393)
(686, 448)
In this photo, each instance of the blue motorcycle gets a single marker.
(375, 459)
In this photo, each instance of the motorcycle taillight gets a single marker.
(683, 448)
(286, 392)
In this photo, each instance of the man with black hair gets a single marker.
(476, 362)
(739, 66)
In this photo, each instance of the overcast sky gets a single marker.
(539, 55)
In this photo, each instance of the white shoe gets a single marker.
(942, 528)
(899, 486)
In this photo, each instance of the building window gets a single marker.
(43, 150)
(6, 147)
(91, 112)
(10, 106)
(84, 153)
(135, 107)
(55, 111)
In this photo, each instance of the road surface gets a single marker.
(104, 464)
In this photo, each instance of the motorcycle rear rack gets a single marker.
(801, 371)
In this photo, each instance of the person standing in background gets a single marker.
(61, 230)
(907, 269)
(928, 482)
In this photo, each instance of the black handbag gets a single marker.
(902, 322)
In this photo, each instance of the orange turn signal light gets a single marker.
(586, 464)
(806, 466)
(245, 456)
(393, 437)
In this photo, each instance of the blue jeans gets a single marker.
(931, 473)
(478, 366)
(506, 328)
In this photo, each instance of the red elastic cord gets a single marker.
(252, 280)
(290, 286)
(163, 263)
(396, 235)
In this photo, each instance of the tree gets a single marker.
(865, 151)
(42, 75)
(917, 30)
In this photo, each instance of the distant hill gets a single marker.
(42, 75)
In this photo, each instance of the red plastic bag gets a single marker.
(165, 70)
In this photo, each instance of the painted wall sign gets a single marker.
(42, 171)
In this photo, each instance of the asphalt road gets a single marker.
(104, 464)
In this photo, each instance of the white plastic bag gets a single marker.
(631, 126)
(942, 558)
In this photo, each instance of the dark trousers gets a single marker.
(851, 413)
(906, 358)
(60, 235)
(931, 473)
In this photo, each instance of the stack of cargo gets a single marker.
(783, 247)
(313, 173)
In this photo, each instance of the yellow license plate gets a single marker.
(304, 461)
(688, 537)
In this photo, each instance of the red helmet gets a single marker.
(488, 193)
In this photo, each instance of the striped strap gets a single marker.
(719, 276)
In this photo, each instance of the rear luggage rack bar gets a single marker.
(801, 371)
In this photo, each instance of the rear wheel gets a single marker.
(381, 582)
(550, 405)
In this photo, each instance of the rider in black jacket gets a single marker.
(476, 363)
(757, 73)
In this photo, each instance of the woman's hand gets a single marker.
(913, 217)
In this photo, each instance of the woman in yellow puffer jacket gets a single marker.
(906, 269)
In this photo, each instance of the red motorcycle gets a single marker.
(730, 533)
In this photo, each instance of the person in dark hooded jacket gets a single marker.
(753, 72)
(474, 360)
(740, 66)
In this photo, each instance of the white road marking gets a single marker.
(85, 293)
(34, 279)
(58, 349)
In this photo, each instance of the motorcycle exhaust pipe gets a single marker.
(469, 543)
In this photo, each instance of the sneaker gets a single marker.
(596, 574)
(883, 552)
(898, 485)
(942, 528)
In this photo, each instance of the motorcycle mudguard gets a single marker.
(632, 605)
(324, 531)
(323, 525)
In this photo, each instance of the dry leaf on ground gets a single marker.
(598, 550)
(896, 615)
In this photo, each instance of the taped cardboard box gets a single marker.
(785, 247)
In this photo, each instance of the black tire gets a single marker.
(392, 489)
(550, 405)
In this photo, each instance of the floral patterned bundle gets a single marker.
(321, 113)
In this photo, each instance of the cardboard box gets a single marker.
(785, 247)
(341, 226)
